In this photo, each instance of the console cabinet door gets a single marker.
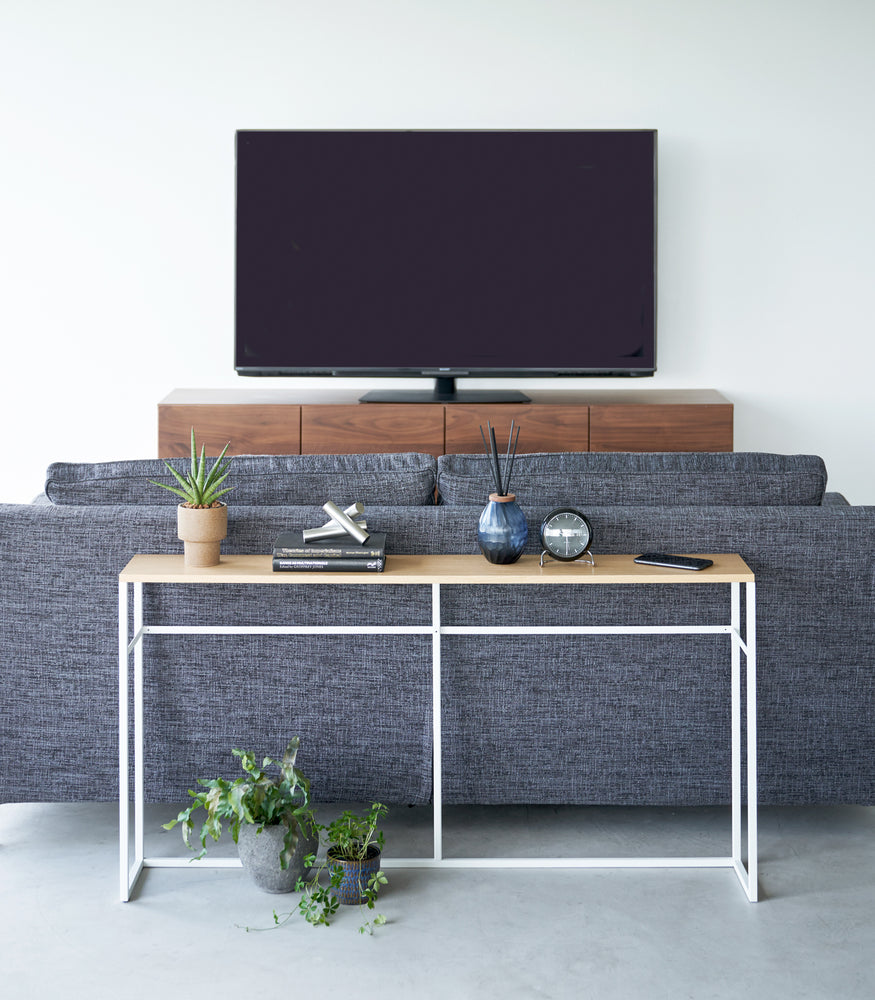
(543, 427)
(663, 427)
(372, 427)
(263, 429)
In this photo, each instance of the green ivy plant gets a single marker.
(351, 838)
(200, 488)
(257, 798)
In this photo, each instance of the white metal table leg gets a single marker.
(746, 875)
(735, 681)
(123, 809)
(437, 781)
(139, 794)
(751, 685)
(130, 867)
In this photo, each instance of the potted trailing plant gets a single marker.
(270, 819)
(202, 519)
(352, 861)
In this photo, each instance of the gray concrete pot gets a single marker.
(260, 855)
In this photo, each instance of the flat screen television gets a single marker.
(446, 254)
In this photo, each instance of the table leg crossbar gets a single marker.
(133, 862)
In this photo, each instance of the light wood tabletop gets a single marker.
(443, 569)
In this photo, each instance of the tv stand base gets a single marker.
(436, 396)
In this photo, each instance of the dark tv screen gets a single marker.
(446, 253)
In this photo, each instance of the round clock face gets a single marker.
(566, 533)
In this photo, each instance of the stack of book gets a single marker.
(342, 555)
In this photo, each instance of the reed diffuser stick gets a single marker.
(489, 460)
(509, 471)
(507, 458)
(501, 485)
(495, 458)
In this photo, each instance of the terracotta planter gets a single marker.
(202, 530)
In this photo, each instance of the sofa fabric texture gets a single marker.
(540, 719)
(663, 479)
(259, 480)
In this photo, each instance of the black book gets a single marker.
(333, 564)
(291, 544)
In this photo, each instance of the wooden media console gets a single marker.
(282, 422)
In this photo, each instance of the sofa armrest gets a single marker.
(835, 500)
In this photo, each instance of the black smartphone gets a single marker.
(673, 562)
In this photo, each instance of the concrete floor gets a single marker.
(463, 934)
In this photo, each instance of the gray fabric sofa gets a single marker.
(546, 719)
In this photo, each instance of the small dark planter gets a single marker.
(260, 855)
(355, 875)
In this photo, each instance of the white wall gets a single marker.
(117, 197)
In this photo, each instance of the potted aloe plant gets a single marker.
(202, 519)
(270, 819)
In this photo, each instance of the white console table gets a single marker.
(435, 571)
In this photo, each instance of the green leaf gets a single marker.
(186, 485)
(199, 477)
(288, 763)
(235, 799)
(290, 842)
(185, 482)
(218, 468)
(210, 496)
(172, 489)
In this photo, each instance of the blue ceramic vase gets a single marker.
(502, 530)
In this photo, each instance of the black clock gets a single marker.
(566, 534)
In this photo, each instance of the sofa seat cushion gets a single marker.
(406, 479)
(670, 479)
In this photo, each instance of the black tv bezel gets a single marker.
(444, 389)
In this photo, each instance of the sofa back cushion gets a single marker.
(670, 479)
(406, 480)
